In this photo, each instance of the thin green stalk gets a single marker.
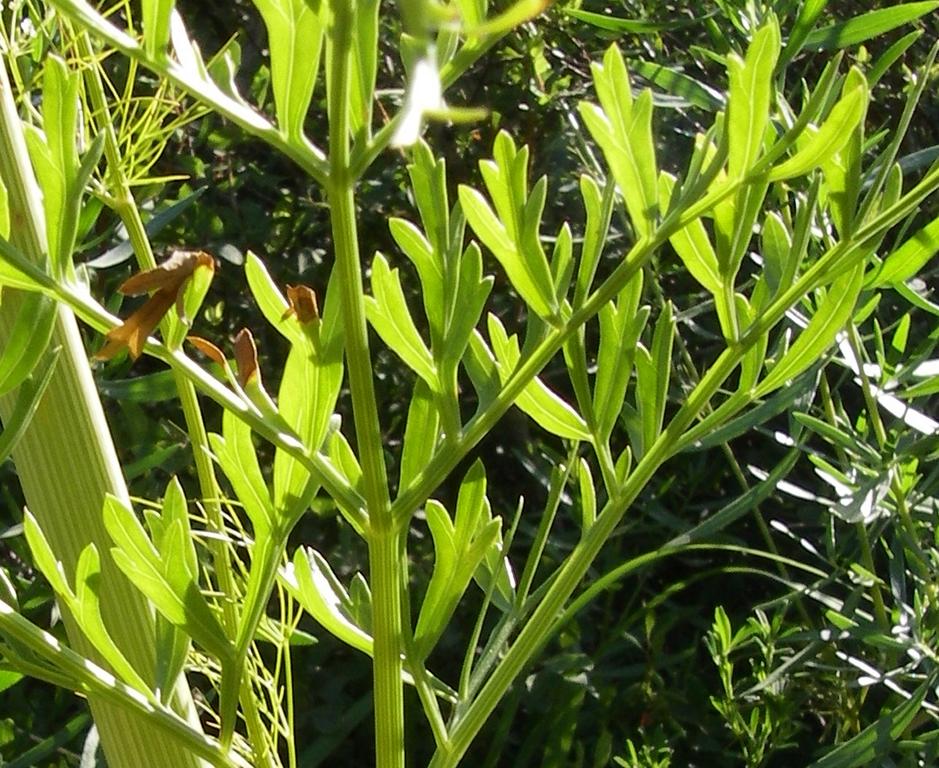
(385, 537)
(539, 542)
(537, 629)
(239, 112)
(873, 409)
(429, 703)
(867, 556)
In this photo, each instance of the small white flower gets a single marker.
(425, 94)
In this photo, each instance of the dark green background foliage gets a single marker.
(632, 675)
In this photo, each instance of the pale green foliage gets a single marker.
(765, 172)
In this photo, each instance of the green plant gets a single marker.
(790, 178)
(762, 719)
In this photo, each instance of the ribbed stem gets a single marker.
(384, 538)
(126, 208)
(66, 463)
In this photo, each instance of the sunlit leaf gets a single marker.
(295, 31)
(750, 95)
(830, 317)
(907, 260)
(833, 134)
(867, 25)
(548, 410)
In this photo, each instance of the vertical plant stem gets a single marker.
(384, 537)
(67, 463)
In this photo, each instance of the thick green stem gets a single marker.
(126, 208)
(385, 537)
(66, 464)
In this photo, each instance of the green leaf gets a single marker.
(562, 261)
(740, 506)
(834, 435)
(295, 38)
(653, 369)
(27, 402)
(496, 238)
(86, 608)
(53, 150)
(27, 341)
(149, 388)
(751, 84)
(907, 260)
(173, 646)
(599, 210)
(270, 301)
(156, 26)
(307, 399)
(630, 26)
(45, 559)
(588, 497)
(833, 134)
(712, 432)
(751, 365)
(678, 84)
(471, 292)
(459, 548)
(429, 267)
(833, 312)
(842, 171)
(389, 315)
(174, 511)
(83, 602)
(889, 57)
(420, 434)
(878, 739)
(693, 246)
(734, 223)
(622, 127)
(777, 254)
(16, 271)
(511, 232)
(363, 63)
(495, 576)
(436, 606)
(314, 585)
(344, 459)
(809, 12)
(621, 325)
(429, 184)
(236, 456)
(867, 25)
(482, 369)
(172, 589)
(548, 410)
